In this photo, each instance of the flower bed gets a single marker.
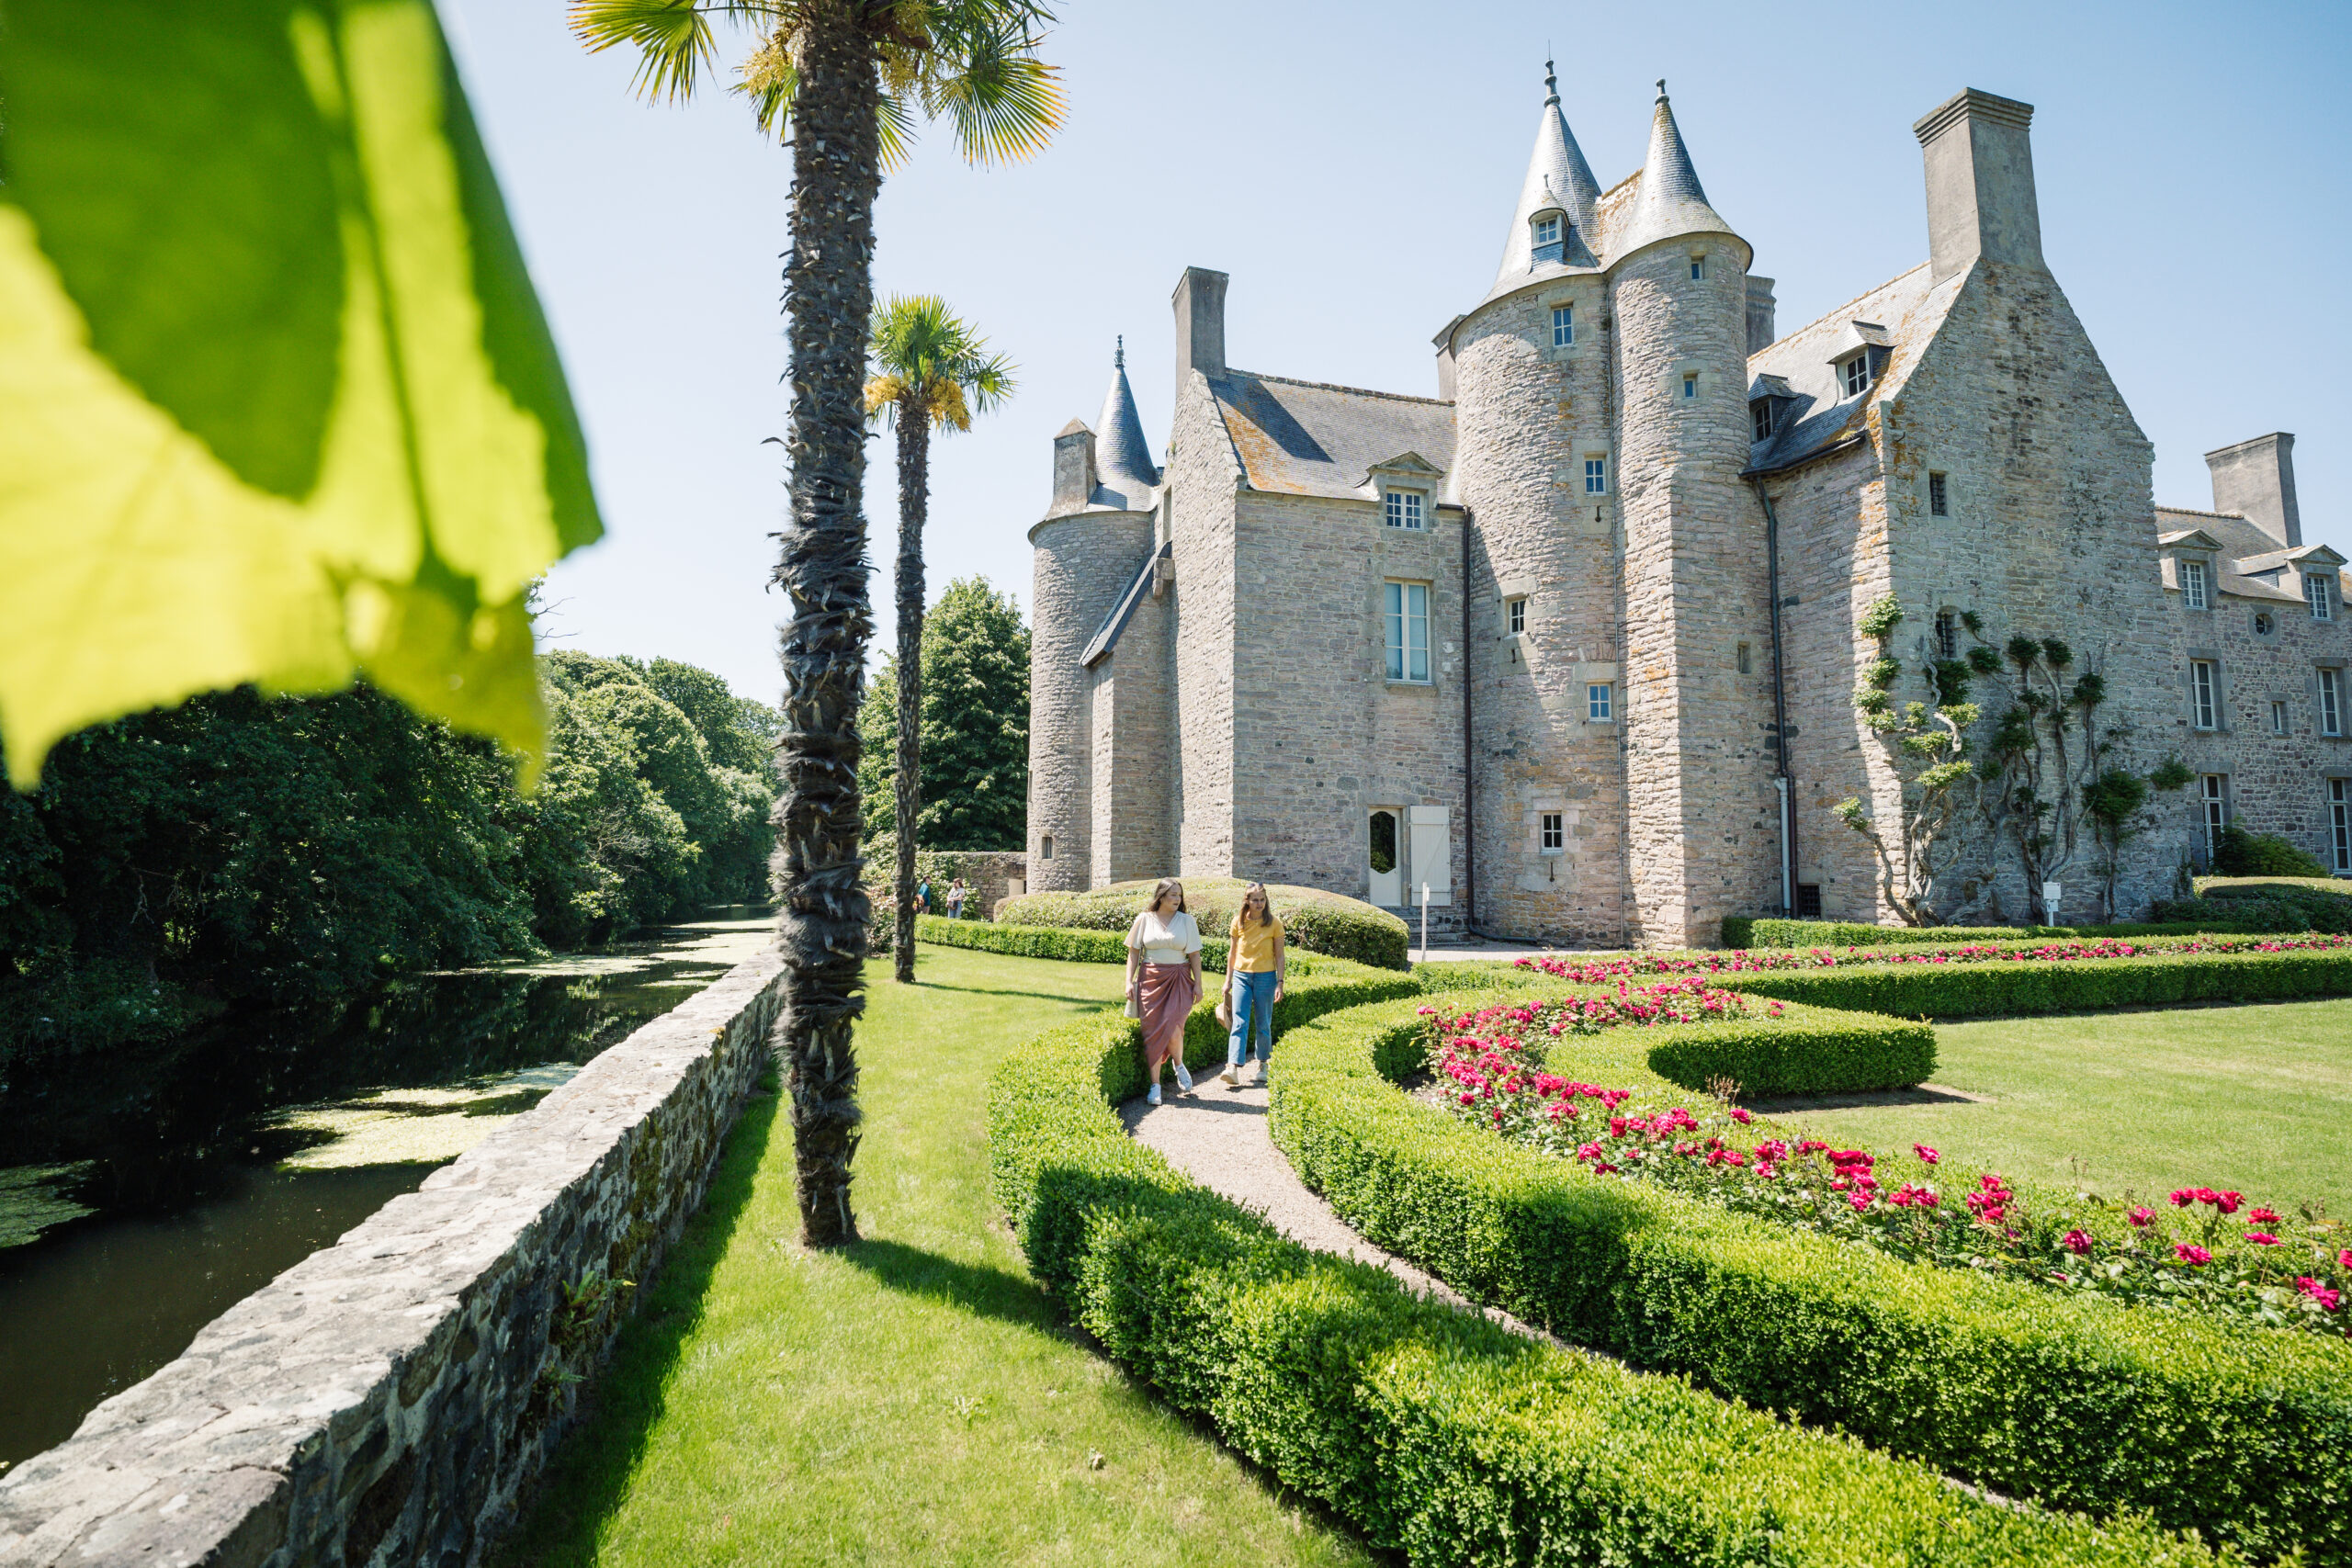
(2270, 1269)
(2063, 1397)
(1434, 1432)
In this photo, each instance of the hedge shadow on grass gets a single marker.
(967, 1287)
(588, 1480)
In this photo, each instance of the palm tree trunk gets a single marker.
(828, 293)
(914, 501)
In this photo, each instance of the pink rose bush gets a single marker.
(1600, 970)
(2206, 1256)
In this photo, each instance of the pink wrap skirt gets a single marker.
(1169, 995)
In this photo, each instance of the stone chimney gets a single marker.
(1980, 184)
(1760, 303)
(2258, 478)
(1199, 300)
(1074, 477)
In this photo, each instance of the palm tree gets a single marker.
(844, 81)
(931, 369)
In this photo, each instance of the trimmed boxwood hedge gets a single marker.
(2021, 987)
(1761, 931)
(2076, 1401)
(1313, 920)
(1433, 1431)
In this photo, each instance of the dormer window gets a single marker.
(1854, 374)
(2317, 594)
(1402, 509)
(1759, 418)
(2192, 585)
(1547, 233)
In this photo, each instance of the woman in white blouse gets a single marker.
(1164, 981)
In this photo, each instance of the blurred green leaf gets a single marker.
(277, 401)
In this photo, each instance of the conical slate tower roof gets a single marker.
(1557, 175)
(1122, 463)
(1672, 201)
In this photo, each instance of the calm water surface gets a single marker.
(196, 1185)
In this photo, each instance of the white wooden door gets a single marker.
(1433, 858)
(1386, 855)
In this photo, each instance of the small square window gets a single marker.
(1744, 661)
(1856, 374)
(1517, 610)
(2192, 585)
(1697, 268)
(1808, 900)
(2204, 687)
(1690, 384)
(1404, 509)
(1596, 475)
(2277, 719)
(1598, 706)
(1555, 837)
(1564, 325)
(1938, 496)
(1547, 231)
(2318, 595)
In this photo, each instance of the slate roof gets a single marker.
(1905, 311)
(1669, 201)
(1106, 635)
(2244, 549)
(1557, 175)
(1124, 475)
(1308, 438)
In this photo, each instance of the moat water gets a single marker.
(166, 1188)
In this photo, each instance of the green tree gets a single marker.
(974, 725)
(847, 79)
(930, 370)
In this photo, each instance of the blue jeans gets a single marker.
(1253, 1002)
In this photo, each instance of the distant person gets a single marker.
(1164, 981)
(922, 896)
(1253, 981)
(956, 894)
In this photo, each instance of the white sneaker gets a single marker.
(1262, 1076)
(1153, 1098)
(1183, 1080)
(1232, 1076)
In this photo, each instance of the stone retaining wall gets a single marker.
(387, 1399)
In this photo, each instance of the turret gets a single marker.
(1551, 225)
(1124, 474)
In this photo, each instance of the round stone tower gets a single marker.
(1534, 464)
(1096, 538)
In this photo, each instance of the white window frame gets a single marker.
(2192, 585)
(2319, 594)
(1515, 615)
(1405, 631)
(2213, 799)
(1547, 229)
(2277, 719)
(1600, 702)
(1854, 374)
(2339, 825)
(1596, 475)
(1552, 833)
(1564, 325)
(1404, 509)
(1759, 419)
(2204, 695)
(2331, 702)
(1939, 495)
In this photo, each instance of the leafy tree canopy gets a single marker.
(975, 724)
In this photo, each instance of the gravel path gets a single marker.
(1218, 1137)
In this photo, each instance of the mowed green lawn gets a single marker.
(912, 1399)
(2256, 1098)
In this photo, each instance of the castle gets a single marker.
(1574, 644)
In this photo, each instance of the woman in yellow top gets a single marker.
(1253, 980)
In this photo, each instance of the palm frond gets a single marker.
(896, 132)
(1005, 101)
(770, 78)
(918, 345)
(673, 38)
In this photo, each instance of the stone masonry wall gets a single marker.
(1081, 566)
(2276, 784)
(1323, 736)
(1527, 413)
(1203, 476)
(1702, 829)
(1134, 732)
(386, 1400)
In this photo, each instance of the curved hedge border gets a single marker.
(1434, 1431)
(2077, 1403)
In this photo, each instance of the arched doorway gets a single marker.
(1387, 874)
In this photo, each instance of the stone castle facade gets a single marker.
(1575, 643)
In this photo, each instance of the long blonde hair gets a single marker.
(1160, 891)
(1241, 915)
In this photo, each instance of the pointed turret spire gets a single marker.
(1557, 175)
(1672, 201)
(1122, 457)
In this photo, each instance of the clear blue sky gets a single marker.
(1353, 166)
